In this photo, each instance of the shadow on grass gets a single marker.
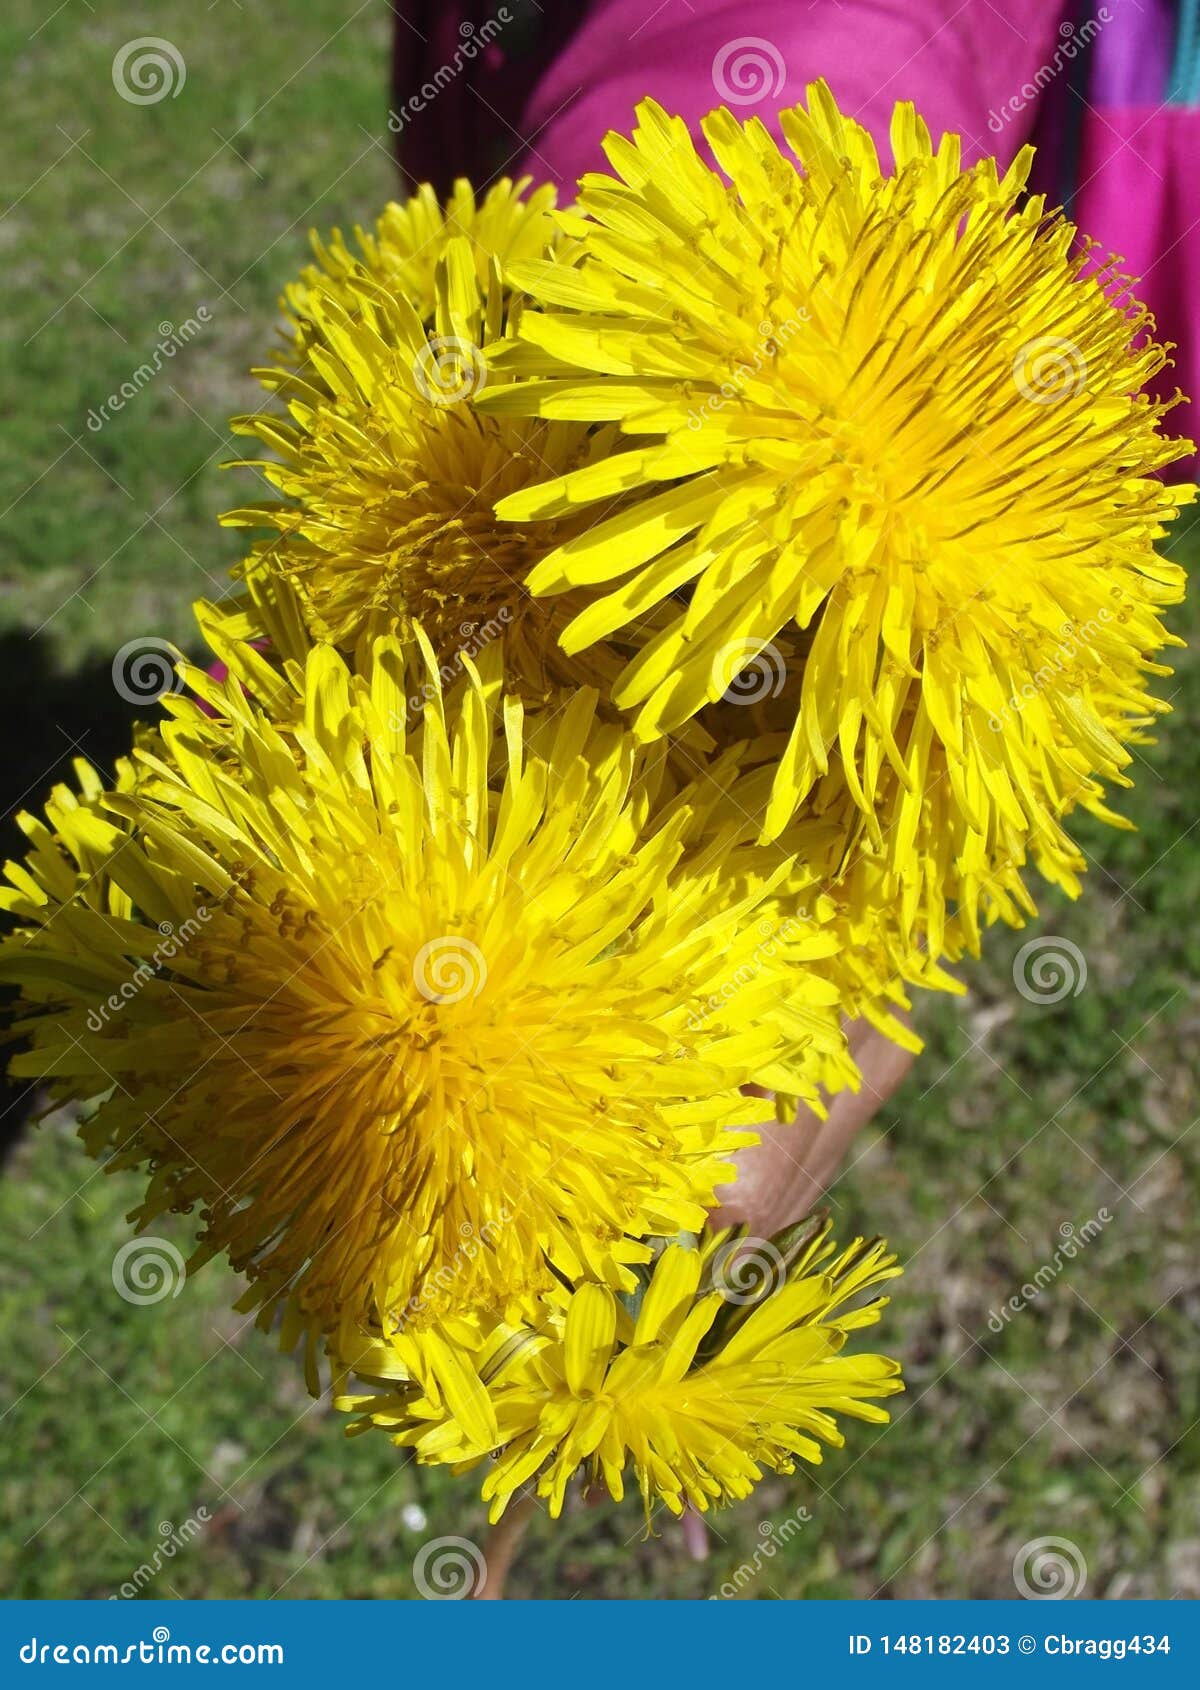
(51, 718)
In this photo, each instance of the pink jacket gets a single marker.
(482, 90)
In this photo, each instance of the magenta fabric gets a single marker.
(964, 66)
(1139, 172)
(956, 62)
(462, 76)
(1082, 80)
(1133, 53)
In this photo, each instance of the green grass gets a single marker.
(126, 217)
(1078, 1419)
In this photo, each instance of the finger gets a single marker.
(784, 1177)
(501, 1545)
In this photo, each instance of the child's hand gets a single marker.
(784, 1178)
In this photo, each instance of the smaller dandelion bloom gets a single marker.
(440, 1025)
(387, 473)
(835, 900)
(403, 248)
(724, 1364)
(892, 417)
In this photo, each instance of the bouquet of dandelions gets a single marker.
(654, 655)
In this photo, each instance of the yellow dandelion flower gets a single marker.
(403, 248)
(909, 899)
(728, 1360)
(895, 419)
(833, 898)
(417, 1010)
(388, 474)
